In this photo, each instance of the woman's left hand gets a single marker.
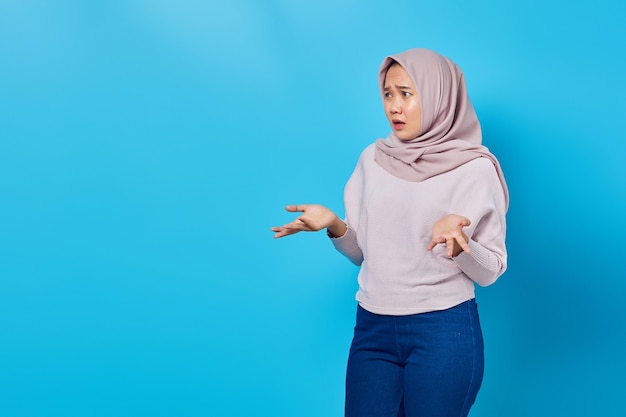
(449, 231)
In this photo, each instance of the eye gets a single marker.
(406, 94)
(387, 95)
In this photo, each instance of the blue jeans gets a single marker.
(420, 365)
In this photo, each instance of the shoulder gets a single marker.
(478, 179)
(368, 152)
(478, 168)
(480, 164)
(476, 176)
(363, 165)
(366, 157)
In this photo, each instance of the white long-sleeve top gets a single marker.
(390, 224)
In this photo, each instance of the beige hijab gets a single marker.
(451, 134)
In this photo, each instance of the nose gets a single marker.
(395, 107)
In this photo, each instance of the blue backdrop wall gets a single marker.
(146, 147)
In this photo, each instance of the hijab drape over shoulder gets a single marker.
(450, 135)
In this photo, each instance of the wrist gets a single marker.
(337, 229)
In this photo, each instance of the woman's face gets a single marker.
(402, 105)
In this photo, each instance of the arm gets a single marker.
(481, 263)
(315, 218)
(347, 245)
(477, 246)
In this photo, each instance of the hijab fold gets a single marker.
(450, 136)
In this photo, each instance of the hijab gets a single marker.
(450, 135)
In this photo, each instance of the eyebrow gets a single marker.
(399, 87)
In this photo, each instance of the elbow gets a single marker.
(490, 277)
(486, 281)
(357, 260)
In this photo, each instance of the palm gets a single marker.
(314, 217)
(449, 231)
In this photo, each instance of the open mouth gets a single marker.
(397, 124)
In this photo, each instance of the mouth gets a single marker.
(397, 124)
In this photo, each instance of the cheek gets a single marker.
(416, 114)
(414, 109)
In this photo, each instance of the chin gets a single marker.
(403, 138)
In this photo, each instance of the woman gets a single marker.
(425, 220)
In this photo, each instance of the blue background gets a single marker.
(146, 147)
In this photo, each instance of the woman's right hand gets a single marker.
(314, 218)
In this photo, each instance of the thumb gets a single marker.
(295, 207)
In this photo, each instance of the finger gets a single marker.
(279, 228)
(449, 247)
(295, 207)
(461, 239)
(435, 242)
(279, 233)
(432, 245)
(285, 232)
(463, 243)
(297, 225)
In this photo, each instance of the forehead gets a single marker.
(397, 75)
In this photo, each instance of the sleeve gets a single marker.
(347, 245)
(486, 208)
(483, 265)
